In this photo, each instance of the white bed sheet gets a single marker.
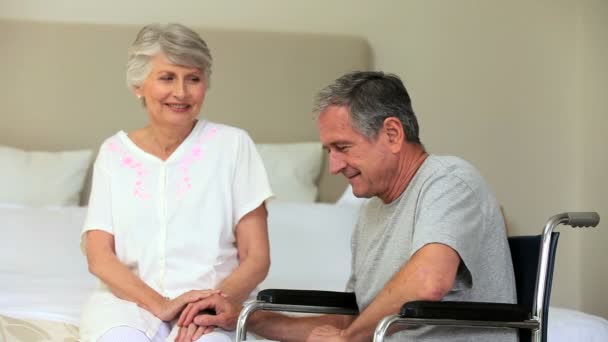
(567, 325)
(309, 245)
(43, 274)
(52, 298)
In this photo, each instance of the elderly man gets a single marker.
(432, 229)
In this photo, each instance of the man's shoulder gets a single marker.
(451, 169)
(451, 165)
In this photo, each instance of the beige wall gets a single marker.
(592, 123)
(513, 86)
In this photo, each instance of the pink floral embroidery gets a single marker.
(195, 154)
(141, 172)
(184, 184)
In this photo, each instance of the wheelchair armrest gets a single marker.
(344, 300)
(473, 311)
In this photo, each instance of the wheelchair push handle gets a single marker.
(583, 219)
(572, 219)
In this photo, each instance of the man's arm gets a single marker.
(283, 328)
(267, 324)
(428, 275)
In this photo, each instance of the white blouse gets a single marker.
(173, 221)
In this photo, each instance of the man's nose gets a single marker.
(336, 164)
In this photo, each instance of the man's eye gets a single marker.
(342, 148)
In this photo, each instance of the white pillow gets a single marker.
(293, 169)
(33, 178)
(348, 198)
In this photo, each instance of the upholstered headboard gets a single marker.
(64, 84)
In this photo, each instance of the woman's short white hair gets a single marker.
(181, 45)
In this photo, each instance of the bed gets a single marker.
(67, 94)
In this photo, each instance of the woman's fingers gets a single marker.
(194, 295)
(190, 333)
(207, 293)
(200, 331)
(209, 329)
(180, 334)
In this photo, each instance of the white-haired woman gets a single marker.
(177, 208)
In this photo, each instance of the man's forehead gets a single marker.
(337, 131)
(335, 117)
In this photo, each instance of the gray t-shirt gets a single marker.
(446, 202)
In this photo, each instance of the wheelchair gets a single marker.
(529, 315)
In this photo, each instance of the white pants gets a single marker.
(128, 334)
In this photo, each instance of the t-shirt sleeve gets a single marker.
(250, 186)
(99, 212)
(450, 213)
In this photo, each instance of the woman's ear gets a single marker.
(394, 133)
(137, 91)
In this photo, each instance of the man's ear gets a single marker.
(394, 133)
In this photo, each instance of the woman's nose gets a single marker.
(179, 90)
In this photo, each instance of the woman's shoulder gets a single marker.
(112, 141)
(108, 147)
(226, 132)
(113, 147)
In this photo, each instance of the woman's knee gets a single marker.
(123, 334)
(215, 337)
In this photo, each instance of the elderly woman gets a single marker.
(177, 209)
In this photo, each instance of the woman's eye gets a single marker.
(195, 79)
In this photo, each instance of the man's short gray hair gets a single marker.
(181, 45)
(371, 97)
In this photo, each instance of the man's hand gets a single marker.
(326, 333)
(226, 313)
(170, 308)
